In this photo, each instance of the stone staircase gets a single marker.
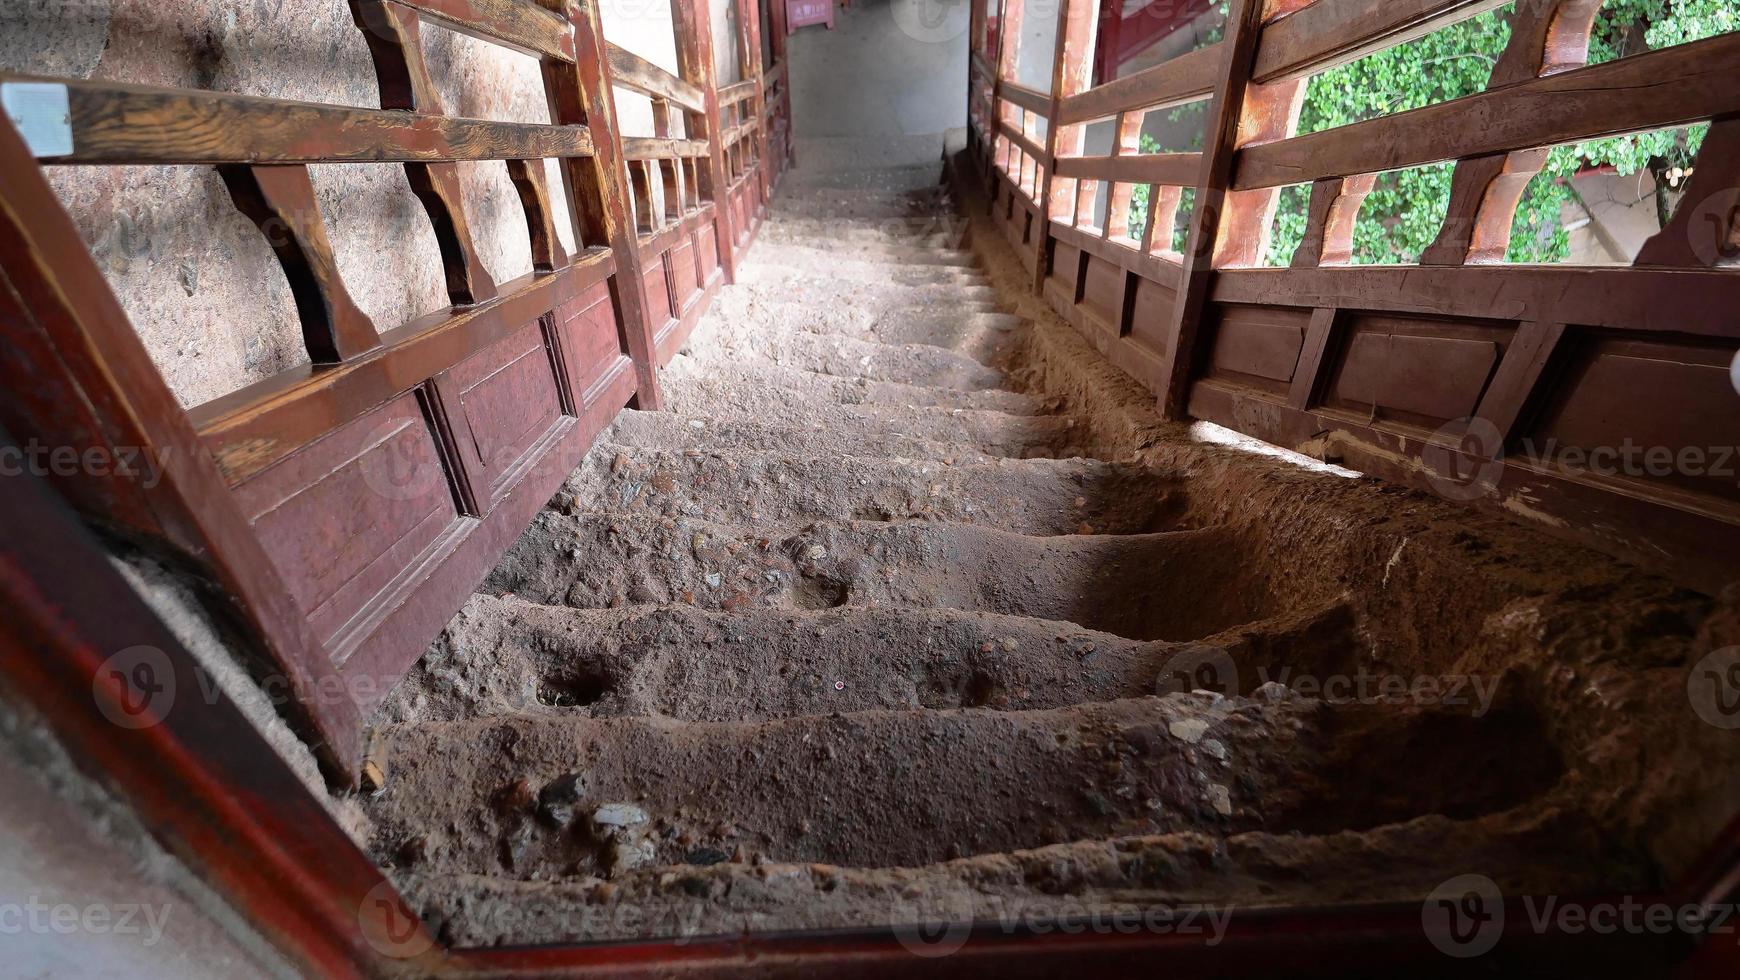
(908, 608)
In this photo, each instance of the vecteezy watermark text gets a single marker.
(34, 458)
(35, 917)
(932, 929)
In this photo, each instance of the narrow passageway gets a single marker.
(909, 606)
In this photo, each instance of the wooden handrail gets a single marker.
(1186, 78)
(518, 24)
(1173, 169)
(113, 123)
(1328, 33)
(662, 148)
(1026, 98)
(737, 92)
(633, 72)
(1588, 103)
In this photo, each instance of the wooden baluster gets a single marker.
(1163, 204)
(1247, 218)
(1243, 29)
(580, 95)
(395, 43)
(1547, 37)
(280, 200)
(1129, 140)
(534, 190)
(1070, 72)
(692, 22)
(1335, 204)
(1705, 231)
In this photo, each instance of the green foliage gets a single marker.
(1404, 213)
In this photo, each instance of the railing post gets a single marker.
(750, 18)
(1217, 223)
(693, 22)
(597, 185)
(1069, 76)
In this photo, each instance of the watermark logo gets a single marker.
(389, 925)
(397, 464)
(135, 688)
(1470, 470)
(1464, 917)
(1713, 687)
(1712, 227)
(1199, 669)
(931, 21)
(927, 929)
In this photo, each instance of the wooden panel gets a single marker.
(342, 519)
(1682, 434)
(1102, 291)
(507, 399)
(1253, 343)
(685, 283)
(707, 243)
(1410, 367)
(592, 343)
(1151, 312)
(1066, 266)
(658, 296)
(140, 124)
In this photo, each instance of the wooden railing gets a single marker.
(1484, 382)
(349, 506)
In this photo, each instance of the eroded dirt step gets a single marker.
(555, 797)
(993, 433)
(976, 332)
(1180, 585)
(844, 357)
(845, 268)
(506, 655)
(1030, 496)
(747, 385)
(859, 204)
(820, 257)
(1540, 854)
(920, 177)
(871, 438)
(855, 299)
(925, 233)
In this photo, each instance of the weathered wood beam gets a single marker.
(631, 71)
(518, 24)
(1622, 96)
(1187, 78)
(113, 123)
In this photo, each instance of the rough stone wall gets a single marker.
(197, 278)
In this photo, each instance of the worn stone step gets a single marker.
(721, 339)
(872, 788)
(856, 298)
(823, 256)
(507, 655)
(1031, 496)
(753, 387)
(871, 437)
(799, 182)
(1179, 585)
(845, 268)
(553, 797)
(1187, 883)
